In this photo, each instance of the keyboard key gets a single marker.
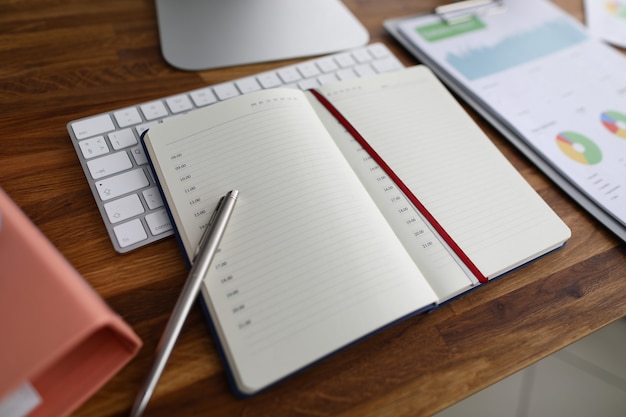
(154, 110)
(122, 139)
(93, 126)
(327, 64)
(248, 85)
(289, 75)
(346, 74)
(308, 69)
(379, 51)
(139, 155)
(345, 60)
(364, 70)
(179, 103)
(203, 97)
(130, 233)
(269, 80)
(362, 56)
(93, 147)
(127, 117)
(124, 208)
(143, 127)
(327, 79)
(225, 91)
(109, 165)
(159, 222)
(121, 184)
(387, 65)
(308, 84)
(153, 198)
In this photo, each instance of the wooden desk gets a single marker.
(64, 60)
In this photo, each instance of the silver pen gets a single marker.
(201, 262)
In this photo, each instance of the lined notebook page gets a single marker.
(429, 141)
(445, 273)
(307, 263)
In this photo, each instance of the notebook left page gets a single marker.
(308, 264)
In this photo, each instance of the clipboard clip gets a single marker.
(462, 11)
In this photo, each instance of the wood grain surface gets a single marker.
(62, 60)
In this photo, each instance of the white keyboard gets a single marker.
(114, 162)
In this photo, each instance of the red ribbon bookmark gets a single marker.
(420, 207)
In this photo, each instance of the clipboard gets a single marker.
(462, 11)
(488, 21)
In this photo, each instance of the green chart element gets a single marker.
(443, 30)
(579, 148)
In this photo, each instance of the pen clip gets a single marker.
(461, 11)
(205, 234)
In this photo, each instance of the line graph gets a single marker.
(552, 36)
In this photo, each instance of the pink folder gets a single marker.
(57, 335)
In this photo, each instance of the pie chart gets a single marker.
(616, 9)
(615, 122)
(579, 148)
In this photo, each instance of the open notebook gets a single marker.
(360, 204)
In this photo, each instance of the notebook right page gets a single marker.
(450, 165)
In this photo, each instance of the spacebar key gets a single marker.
(121, 184)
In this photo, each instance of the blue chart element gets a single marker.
(517, 49)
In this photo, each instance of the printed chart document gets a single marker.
(606, 19)
(325, 247)
(554, 91)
